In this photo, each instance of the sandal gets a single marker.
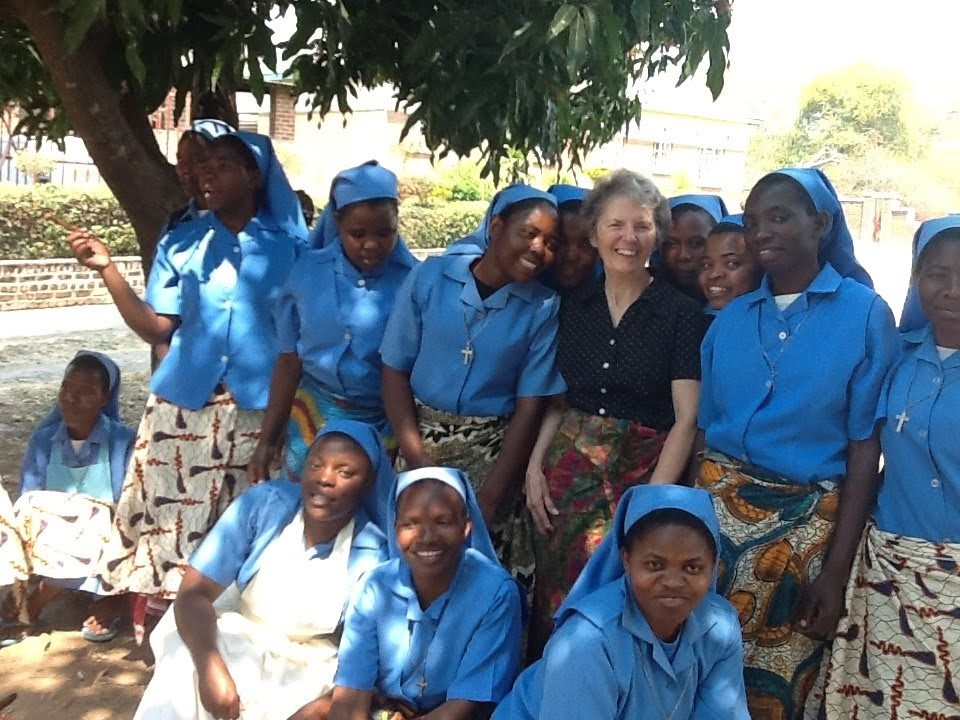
(101, 637)
(12, 632)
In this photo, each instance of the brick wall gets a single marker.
(283, 113)
(31, 284)
(28, 284)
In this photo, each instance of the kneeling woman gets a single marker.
(70, 482)
(294, 553)
(643, 634)
(469, 358)
(894, 649)
(435, 632)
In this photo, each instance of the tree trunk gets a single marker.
(116, 132)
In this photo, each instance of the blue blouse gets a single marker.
(334, 316)
(920, 493)
(223, 288)
(232, 550)
(605, 663)
(115, 434)
(513, 334)
(789, 390)
(464, 646)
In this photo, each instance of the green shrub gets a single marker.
(416, 187)
(426, 226)
(27, 233)
(462, 182)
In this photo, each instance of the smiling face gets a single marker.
(336, 476)
(670, 567)
(368, 232)
(684, 248)
(576, 258)
(229, 179)
(625, 235)
(192, 153)
(432, 526)
(782, 228)
(522, 242)
(728, 269)
(938, 284)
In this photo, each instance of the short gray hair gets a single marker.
(626, 183)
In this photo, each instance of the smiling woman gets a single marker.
(469, 358)
(629, 352)
(435, 632)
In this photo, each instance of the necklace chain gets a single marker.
(467, 350)
(656, 695)
(903, 416)
(772, 362)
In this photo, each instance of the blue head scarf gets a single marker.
(510, 195)
(836, 247)
(369, 181)
(276, 200)
(211, 128)
(377, 501)
(912, 317)
(605, 564)
(112, 408)
(479, 538)
(568, 193)
(713, 205)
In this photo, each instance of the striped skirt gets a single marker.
(187, 467)
(774, 536)
(898, 647)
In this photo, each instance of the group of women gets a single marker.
(483, 461)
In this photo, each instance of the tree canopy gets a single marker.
(543, 78)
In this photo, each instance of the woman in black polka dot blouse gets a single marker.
(629, 349)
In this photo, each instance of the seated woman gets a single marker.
(629, 350)
(575, 260)
(469, 358)
(212, 286)
(728, 269)
(693, 217)
(792, 376)
(70, 481)
(331, 318)
(643, 633)
(255, 623)
(893, 654)
(435, 632)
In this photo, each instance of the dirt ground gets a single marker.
(55, 672)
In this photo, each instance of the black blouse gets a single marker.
(625, 371)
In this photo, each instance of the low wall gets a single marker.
(33, 284)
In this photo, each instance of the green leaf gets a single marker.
(718, 64)
(517, 39)
(577, 46)
(81, 20)
(561, 21)
(256, 77)
(135, 63)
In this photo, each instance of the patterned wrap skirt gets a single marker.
(589, 465)
(472, 444)
(187, 467)
(774, 537)
(14, 565)
(313, 406)
(898, 647)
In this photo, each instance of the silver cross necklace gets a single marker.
(656, 695)
(772, 362)
(903, 417)
(467, 352)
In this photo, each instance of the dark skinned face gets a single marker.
(368, 233)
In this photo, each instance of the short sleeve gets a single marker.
(721, 694)
(286, 318)
(579, 681)
(358, 660)
(401, 339)
(707, 412)
(540, 375)
(33, 469)
(882, 348)
(492, 658)
(227, 546)
(163, 285)
(687, 339)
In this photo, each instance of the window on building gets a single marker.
(663, 157)
(710, 173)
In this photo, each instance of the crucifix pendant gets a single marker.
(901, 419)
(467, 353)
(422, 684)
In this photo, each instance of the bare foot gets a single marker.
(105, 612)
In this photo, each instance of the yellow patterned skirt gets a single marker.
(774, 537)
